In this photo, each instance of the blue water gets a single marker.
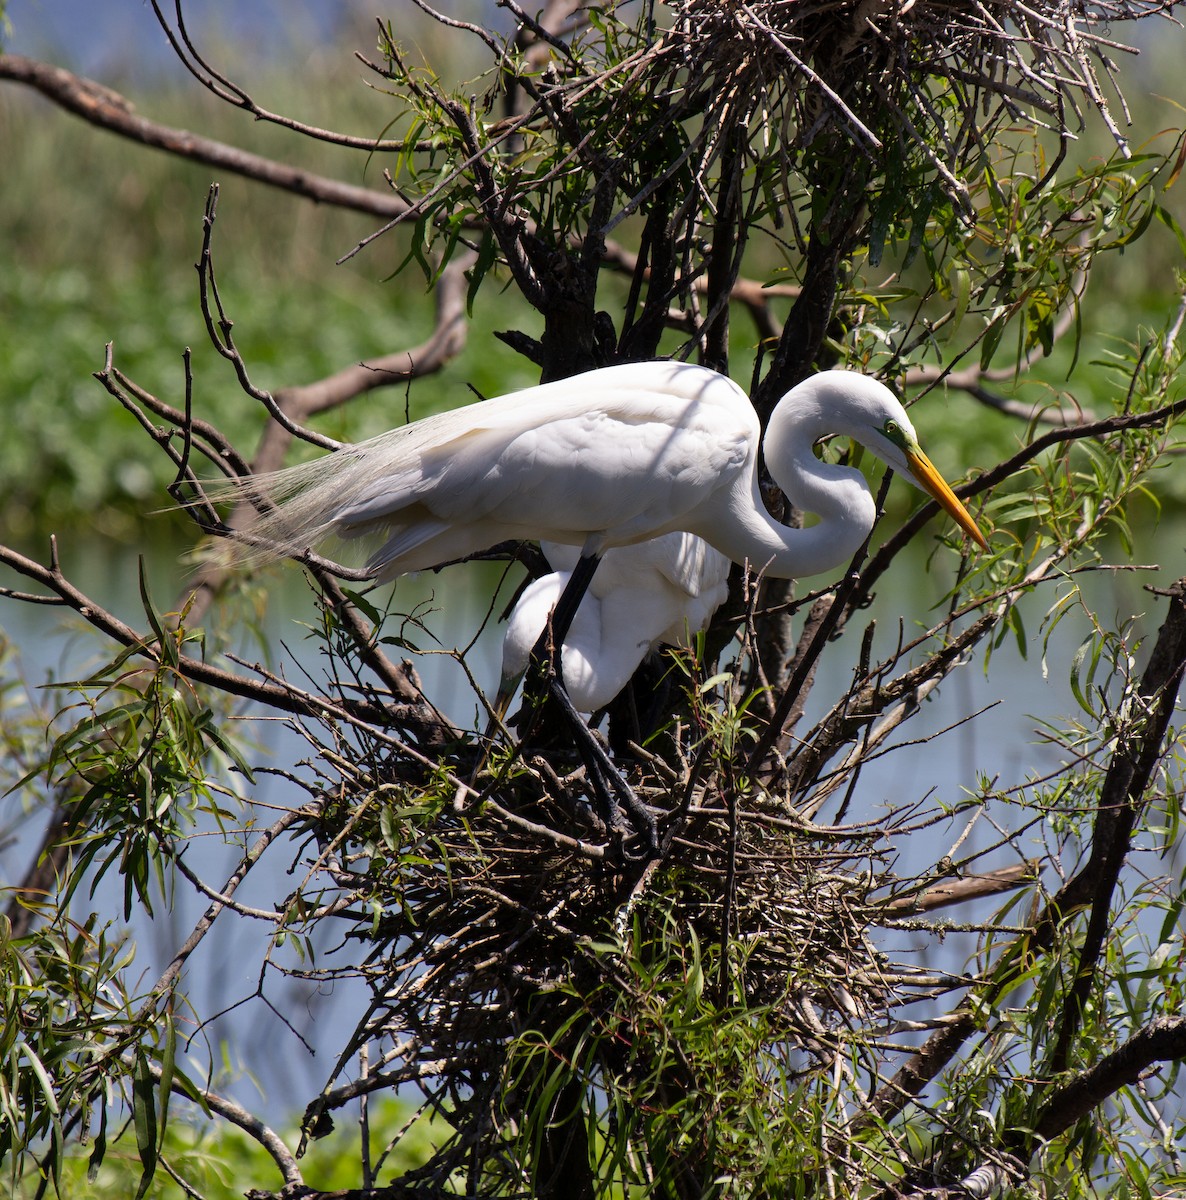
(1003, 742)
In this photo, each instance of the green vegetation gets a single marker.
(224, 1163)
(103, 250)
(760, 1004)
(102, 236)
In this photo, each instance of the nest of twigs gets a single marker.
(489, 905)
(861, 59)
(896, 80)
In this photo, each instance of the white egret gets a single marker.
(659, 592)
(608, 458)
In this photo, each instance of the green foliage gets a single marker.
(150, 756)
(224, 1163)
(113, 262)
(727, 1019)
(76, 1046)
(679, 1079)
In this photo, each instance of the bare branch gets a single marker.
(284, 697)
(100, 106)
(198, 933)
(968, 887)
(1161, 1040)
(231, 1111)
(292, 406)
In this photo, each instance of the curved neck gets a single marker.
(839, 496)
(786, 552)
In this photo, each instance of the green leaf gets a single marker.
(1139, 228)
(230, 750)
(1081, 688)
(144, 1120)
(43, 1079)
(149, 608)
(992, 339)
(487, 255)
(99, 1149)
(961, 281)
(1171, 223)
(168, 1065)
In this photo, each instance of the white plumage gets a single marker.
(658, 592)
(607, 458)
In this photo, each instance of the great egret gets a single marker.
(658, 592)
(608, 458)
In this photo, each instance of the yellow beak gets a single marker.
(934, 484)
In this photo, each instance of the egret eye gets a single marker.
(894, 433)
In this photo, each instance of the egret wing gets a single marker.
(614, 454)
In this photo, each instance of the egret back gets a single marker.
(603, 459)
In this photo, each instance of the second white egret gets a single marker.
(659, 592)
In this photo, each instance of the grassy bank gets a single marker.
(101, 237)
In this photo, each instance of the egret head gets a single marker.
(898, 446)
(865, 409)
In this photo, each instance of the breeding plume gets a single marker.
(658, 592)
(608, 458)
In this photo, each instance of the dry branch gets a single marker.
(969, 887)
(296, 404)
(107, 109)
(285, 697)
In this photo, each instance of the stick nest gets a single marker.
(864, 63)
(483, 914)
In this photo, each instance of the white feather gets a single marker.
(658, 592)
(607, 458)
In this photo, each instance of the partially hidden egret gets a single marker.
(607, 458)
(659, 592)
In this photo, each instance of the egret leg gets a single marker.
(612, 791)
(565, 611)
(611, 788)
